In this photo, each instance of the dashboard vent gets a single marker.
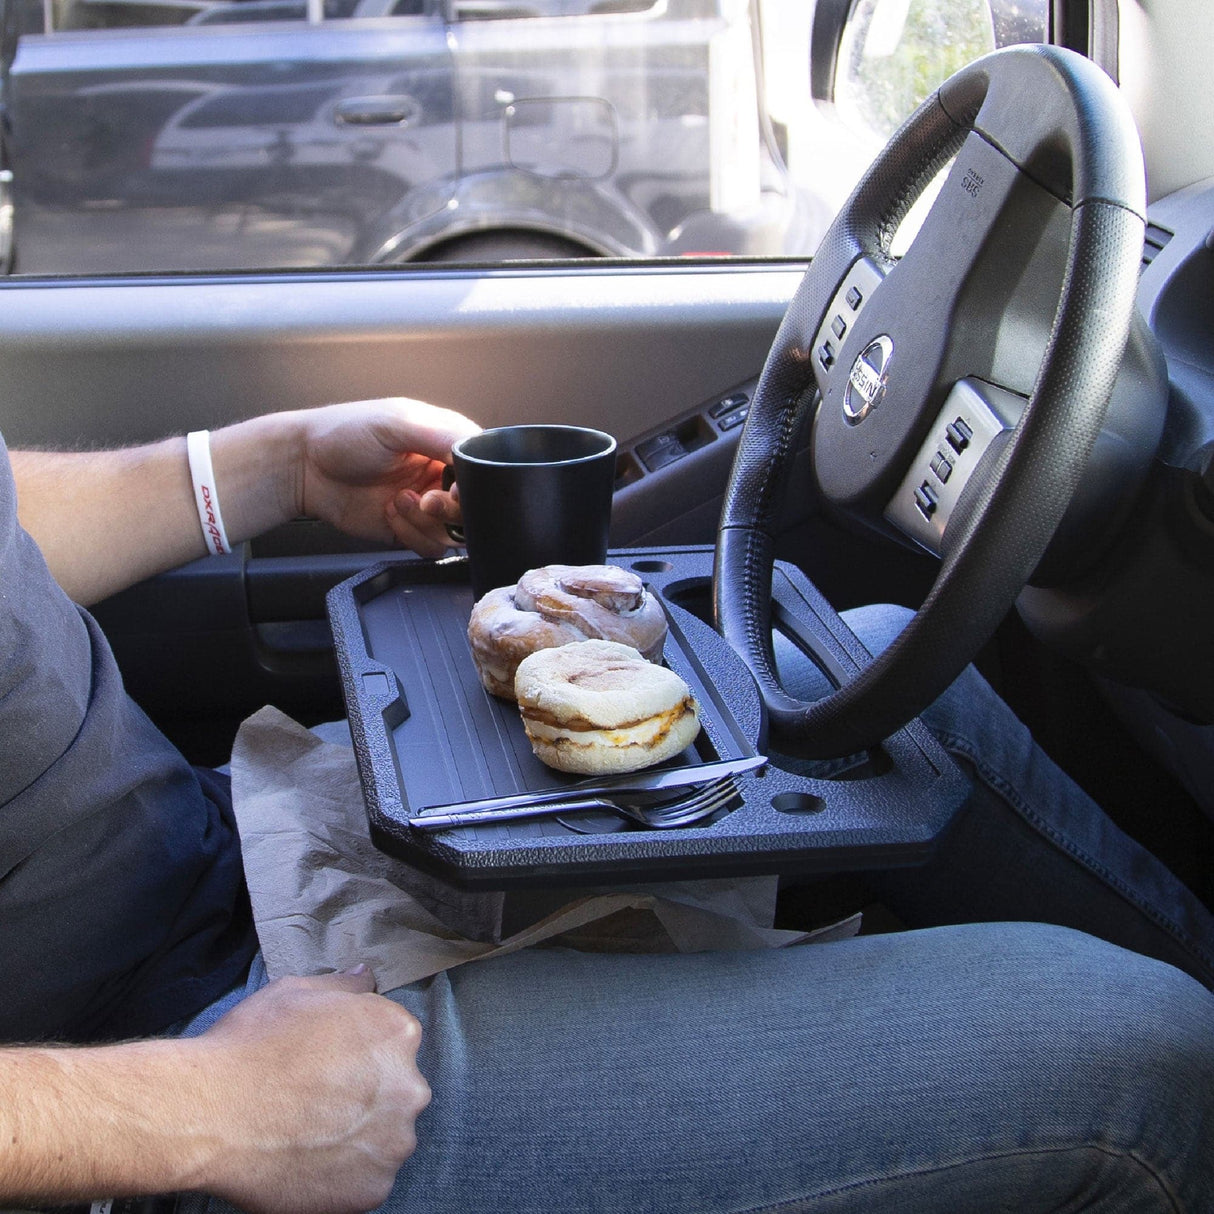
(1154, 242)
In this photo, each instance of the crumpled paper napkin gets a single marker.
(324, 897)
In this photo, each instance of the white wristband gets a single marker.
(198, 449)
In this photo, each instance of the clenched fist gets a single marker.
(318, 1080)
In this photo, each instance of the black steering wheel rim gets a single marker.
(1056, 118)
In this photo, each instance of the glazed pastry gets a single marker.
(560, 605)
(599, 708)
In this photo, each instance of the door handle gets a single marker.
(394, 110)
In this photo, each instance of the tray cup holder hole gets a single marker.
(652, 566)
(797, 803)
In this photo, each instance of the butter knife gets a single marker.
(435, 817)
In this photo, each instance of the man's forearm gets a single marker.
(78, 1124)
(107, 519)
(301, 1100)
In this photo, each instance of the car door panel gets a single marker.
(623, 349)
(647, 354)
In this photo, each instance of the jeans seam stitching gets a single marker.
(795, 1203)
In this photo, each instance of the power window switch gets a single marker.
(660, 450)
(854, 298)
(662, 456)
(942, 467)
(727, 405)
(826, 355)
(731, 421)
(651, 445)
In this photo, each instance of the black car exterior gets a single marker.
(180, 134)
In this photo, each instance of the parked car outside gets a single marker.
(182, 134)
(202, 135)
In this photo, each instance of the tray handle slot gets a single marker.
(381, 693)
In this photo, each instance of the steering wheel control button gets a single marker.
(973, 414)
(868, 379)
(857, 285)
(959, 435)
(926, 500)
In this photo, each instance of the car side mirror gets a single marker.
(876, 60)
(825, 39)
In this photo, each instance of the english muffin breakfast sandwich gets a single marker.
(599, 708)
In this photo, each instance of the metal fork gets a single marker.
(692, 804)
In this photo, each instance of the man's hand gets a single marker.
(301, 1100)
(374, 469)
(318, 1080)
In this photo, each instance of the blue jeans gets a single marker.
(1016, 1067)
(986, 1066)
(1029, 843)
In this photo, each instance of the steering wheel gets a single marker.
(955, 392)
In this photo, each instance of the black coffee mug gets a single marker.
(532, 496)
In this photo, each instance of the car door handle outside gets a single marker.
(488, 10)
(397, 110)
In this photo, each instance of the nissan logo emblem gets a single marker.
(867, 381)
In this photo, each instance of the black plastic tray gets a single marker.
(425, 732)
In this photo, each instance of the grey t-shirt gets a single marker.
(122, 899)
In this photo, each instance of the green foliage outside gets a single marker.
(938, 38)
